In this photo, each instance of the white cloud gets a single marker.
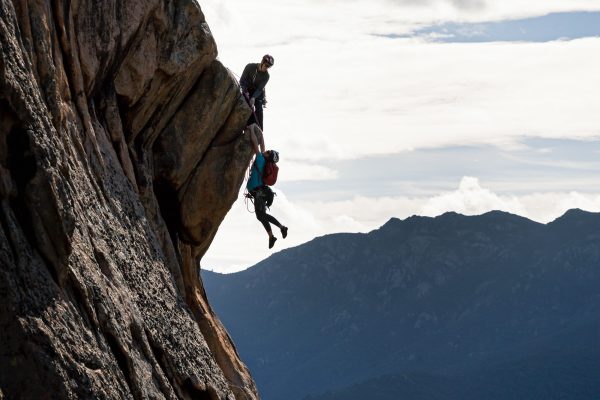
(338, 91)
(494, 10)
(296, 171)
(375, 95)
(242, 232)
(276, 21)
(242, 241)
(471, 199)
(415, 95)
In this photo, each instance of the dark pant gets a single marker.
(260, 209)
(258, 111)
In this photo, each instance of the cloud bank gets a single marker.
(363, 214)
(342, 93)
(337, 91)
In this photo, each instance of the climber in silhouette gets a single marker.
(256, 188)
(253, 82)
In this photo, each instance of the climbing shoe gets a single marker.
(272, 240)
(284, 231)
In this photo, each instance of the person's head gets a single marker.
(267, 62)
(272, 155)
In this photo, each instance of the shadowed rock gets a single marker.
(121, 151)
(185, 140)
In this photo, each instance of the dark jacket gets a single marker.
(254, 81)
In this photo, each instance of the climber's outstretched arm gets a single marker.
(257, 138)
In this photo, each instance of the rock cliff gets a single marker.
(121, 151)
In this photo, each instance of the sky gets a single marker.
(393, 108)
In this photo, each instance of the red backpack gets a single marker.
(270, 173)
(271, 169)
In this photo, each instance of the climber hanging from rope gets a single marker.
(258, 190)
(253, 82)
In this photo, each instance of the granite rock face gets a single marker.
(121, 151)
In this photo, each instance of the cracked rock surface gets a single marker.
(121, 151)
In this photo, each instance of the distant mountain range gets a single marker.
(454, 307)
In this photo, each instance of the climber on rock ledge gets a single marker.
(258, 191)
(253, 82)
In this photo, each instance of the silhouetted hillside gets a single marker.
(471, 302)
(549, 373)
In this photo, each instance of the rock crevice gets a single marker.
(121, 151)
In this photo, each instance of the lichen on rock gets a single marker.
(121, 151)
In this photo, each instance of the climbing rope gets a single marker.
(247, 195)
(244, 94)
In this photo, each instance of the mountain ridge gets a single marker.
(450, 292)
(569, 215)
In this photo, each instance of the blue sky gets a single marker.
(553, 164)
(389, 108)
(544, 28)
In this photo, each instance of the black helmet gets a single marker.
(268, 59)
(274, 156)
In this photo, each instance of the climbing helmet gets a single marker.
(274, 156)
(268, 59)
